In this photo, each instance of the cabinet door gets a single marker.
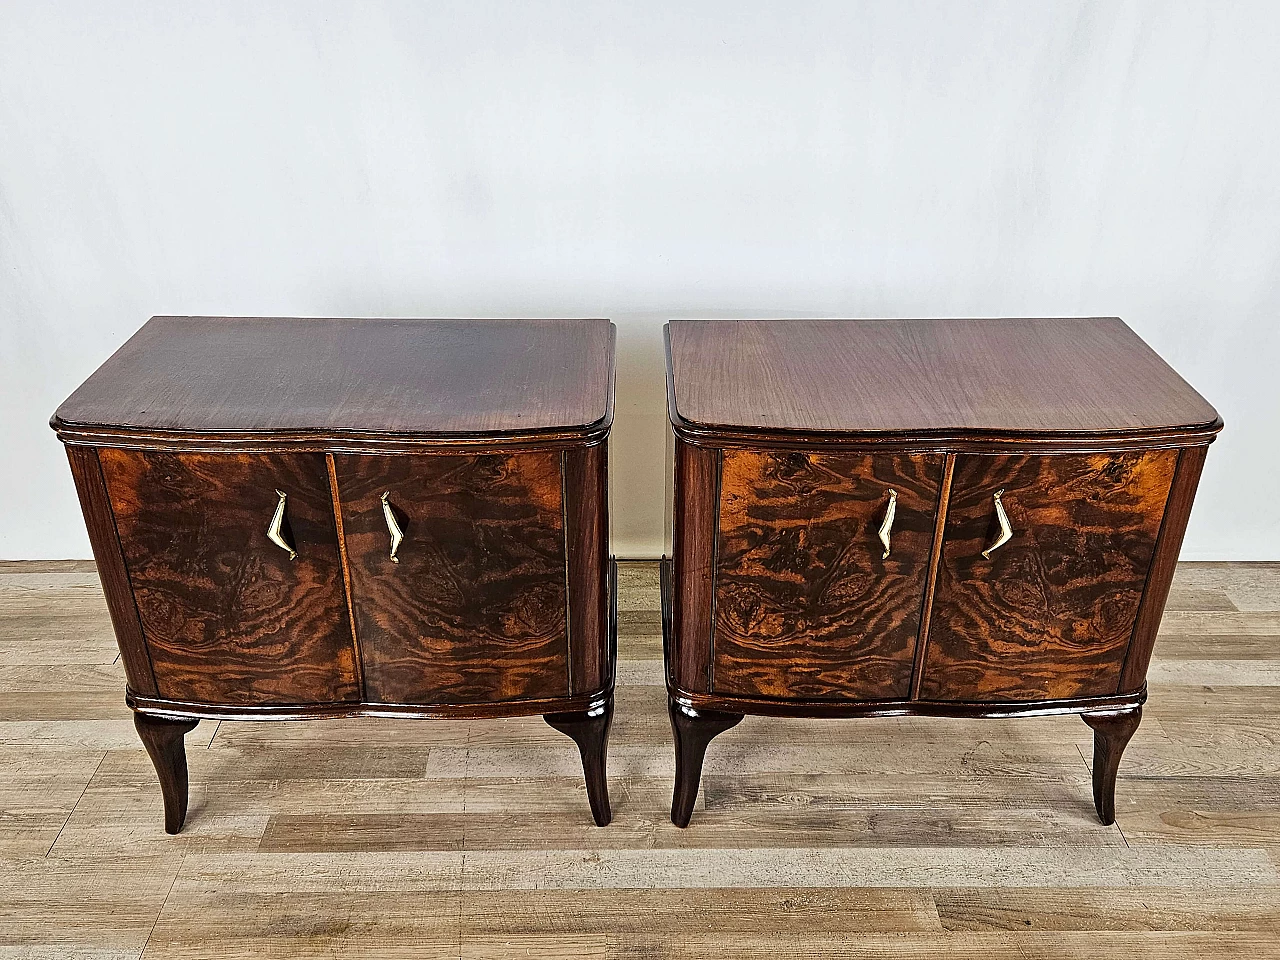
(1050, 614)
(228, 617)
(806, 605)
(473, 608)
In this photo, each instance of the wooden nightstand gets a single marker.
(319, 518)
(972, 518)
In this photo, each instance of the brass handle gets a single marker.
(393, 528)
(886, 527)
(1006, 531)
(274, 533)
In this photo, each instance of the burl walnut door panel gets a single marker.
(474, 610)
(806, 606)
(227, 616)
(1051, 613)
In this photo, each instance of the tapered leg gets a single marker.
(1111, 734)
(163, 739)
(693, 730)
(590, 731)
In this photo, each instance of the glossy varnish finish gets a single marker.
(489, 439)
(475, 608)
(407, 378)
(925, 377)
(806, 604)
(1050, 615)
(586, 516)
(227, 616)
(105, 541)
(696, 496)
(1177, 511)
(786, 435)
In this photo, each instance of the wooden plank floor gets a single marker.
(857, 838)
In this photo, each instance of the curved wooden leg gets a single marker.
(693, 730)
(1111, 734)
(163, 739)
(589, 729)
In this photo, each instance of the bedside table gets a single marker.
(316, 518)
(969, 518)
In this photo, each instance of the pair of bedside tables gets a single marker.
(313, 518)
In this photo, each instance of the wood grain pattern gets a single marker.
(475, 610)
(1177, 512)
(227, 616)
(1051, 614)
(921, 377)
(429, 378)
(586, 514)
(805, 606)
(860, 838)
(695, 503)
(103, 538)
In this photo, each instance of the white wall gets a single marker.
(641, 161)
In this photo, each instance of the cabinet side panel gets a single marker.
(1049, 615)
(228, 617)
(111, 568)
(695, 500)
(807, 605)
(475, 607)
(1178, 510)
(586, 514)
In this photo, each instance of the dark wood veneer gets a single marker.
(587, 543)
(976, 378)
(105, 542)
(490, 438)
(475, 608)
(805, 604)
(227, 616)
(696, 498)
(1177, 511)
(1051, 613)
(785, 433)
(399, 378)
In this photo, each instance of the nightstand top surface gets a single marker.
(1041, 377)
(418, 378)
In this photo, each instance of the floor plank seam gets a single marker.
(76, 804)
(160, 912)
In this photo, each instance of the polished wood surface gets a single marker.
(895, 837)
(164, 742)
(232, 472)
(475, 608)
(1111, 734)
(1051, 613)
(805, 604)
(1032, 377)
(228, 617)
(786, 435)
(332, 377)
(696, 507)
(586, 518)
(589, 729)
(95, 504)
(1177, 513)
(692, 729)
